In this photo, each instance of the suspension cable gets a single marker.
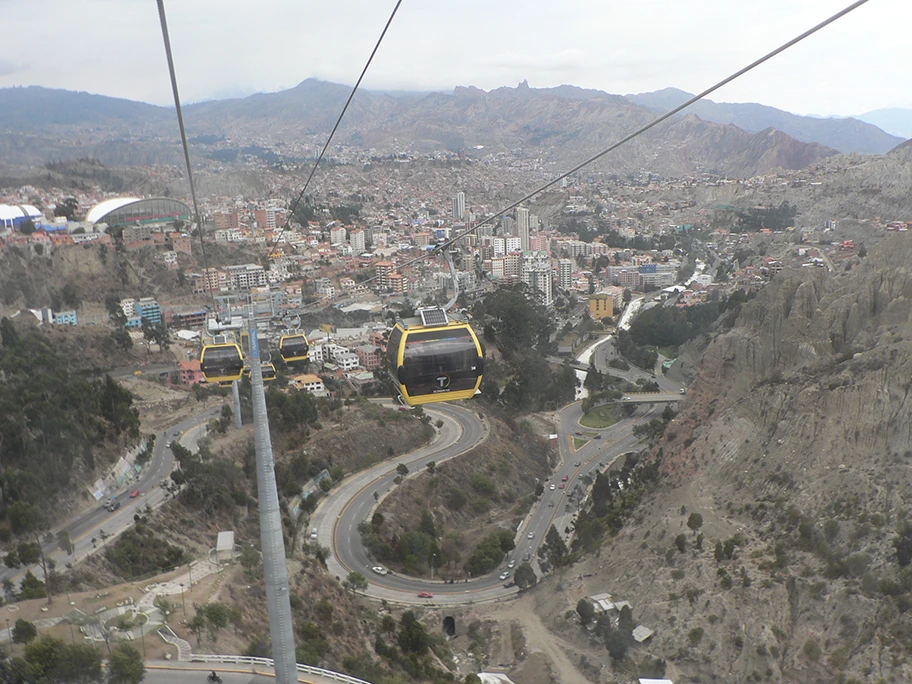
(183, 133)
(351, 95)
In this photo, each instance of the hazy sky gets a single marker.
(231, 48)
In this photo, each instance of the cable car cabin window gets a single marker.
(392, 349)
(442, 360)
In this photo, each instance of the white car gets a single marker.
(511, 563)
(551, 487)
(379, 569)
(531, 535)
(504, 576)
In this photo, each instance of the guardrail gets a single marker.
(268, 662)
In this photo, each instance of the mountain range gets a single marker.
(843, 134)
(558, 126)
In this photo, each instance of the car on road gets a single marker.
(425, 594)
(598, 436)
(550, 504)
(134, 493)
(504, 576)
(577, 464)
(511, 563)
(111, 505)
(168, 445)
(551, 487)
(380, 570)
(565, 478)
(562, 485)
(509, 584)
(531, 535)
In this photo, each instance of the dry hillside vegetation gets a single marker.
(794, 447)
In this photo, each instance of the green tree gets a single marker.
(525, 576)
(28, 520)
(616, 645)
(9, 336)
(197, 625)
(695, 522)
(402, 469)
(585, 610)
(355, 582)
(554, 548)
(24, 632)
(125, 666)
(903, 544)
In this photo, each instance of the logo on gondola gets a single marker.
(442, 381)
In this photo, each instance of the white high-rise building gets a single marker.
(565, 274)
(522, 218)
(337, 235)
(358, 241)
(536, 273)
(459, 206)
(514, 244)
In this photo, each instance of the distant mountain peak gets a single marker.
(845, 135)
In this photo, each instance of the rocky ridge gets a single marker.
(796, 449)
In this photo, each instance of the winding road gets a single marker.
(353, 501)
(85, 529)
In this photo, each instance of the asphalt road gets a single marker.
(338, 516)
(90, 523)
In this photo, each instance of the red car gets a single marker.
(565, 478)
(425, 594)
(561, 485)
(134, 493)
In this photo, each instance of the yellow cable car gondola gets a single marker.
(221, 360)
(294, 348)
(433, 358)
(267, 369)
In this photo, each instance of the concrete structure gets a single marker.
(565, 274)
(66, 318)
(459, 206)
(224, 547)
(601, 305)
(370, 357)
(358, 241)
(522, 228)
(149, 310)
(189, 372)
(337, 235)
(310, 383)
(246, 277)
(536, 273)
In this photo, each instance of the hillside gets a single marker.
(489, 488)
(561, 125)
(794, 447)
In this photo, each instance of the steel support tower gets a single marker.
(275, 569)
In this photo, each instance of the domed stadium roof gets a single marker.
(10, 212)
(128, 211)
(102, 208)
